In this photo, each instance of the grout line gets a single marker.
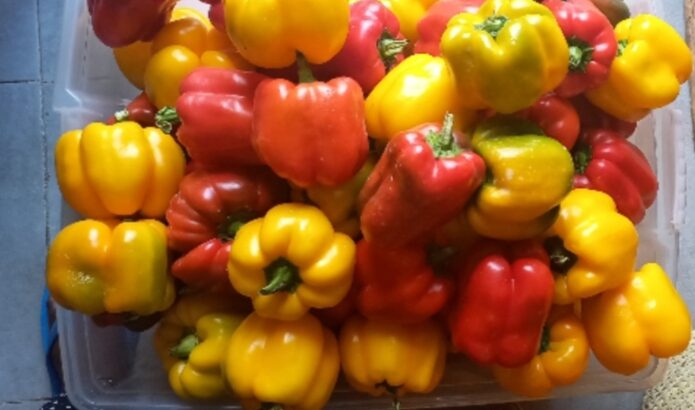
(20, 81)
(44, 140)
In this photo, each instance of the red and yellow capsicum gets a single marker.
(433, 24)
(119, 23)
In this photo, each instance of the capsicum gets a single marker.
(433, 24)
(593, 247)
(506, 55)
(139, 110)
(119, 23)
(269, 34)
(652, 63)
(562, 358)
(504, 297)
(290, 261)
(592, 44)
(607, 162)
(592, 117)
(216, 113)
(643, 317)
(423, 179)
(275, 364)
(96, 267)
(409, 13)
(528, 175)
(312, 133)
(557, 117)
(615, 10)
(118, 170)
(206, 213)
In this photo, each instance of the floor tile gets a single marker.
(50, 23)
(51, 124)
(19, 53)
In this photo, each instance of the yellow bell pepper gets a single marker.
(419, 90)
(562, 358)
(409, 13)
(98, 267)
(380, 357)
(652, 63)
(339, 204)
(288, 365)
(642, 318)
(290, 261)
(507, 55)
(191, 341)
(270, 33)
(593, 248)
(118, 170)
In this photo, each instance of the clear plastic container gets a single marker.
(112, 368)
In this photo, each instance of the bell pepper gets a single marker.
(609, 163)
(562, 358)
(119, 23)
(374, 44)
(132, 61)
(409, 13)
(528, 175)
(334, 317)
(456, 234)
(507, 55)
(419, 90)
(557, 117)
(139, 110)
(398, 285)
(290, 261)
(652, 63)
(422, 180)
(433, 24)
(216, 113)
(592, 44)
(118, 170)
(643, 317)
(269, 34)
(206, 213)
(592, 117)
(274, 364)
(191, 342)
(380, 357)
(95, 267)
(312, 133)
(504, 297)
(216, 14)
(593, 247)
(615, 10)
(130, 321)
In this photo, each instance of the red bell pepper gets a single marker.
(140, 110)
(592, 117)
(313, 133)
(118, 23)
(557, 117)
(216, 112)
(433, 24)
(423, 179)
(334, 317)
(609, 163)
(398, 285)
(206, 213)
(504, 297)
(374, 45)
(591, 41)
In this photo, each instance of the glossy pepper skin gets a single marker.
(643, 317)
(139, 110)
(398, 285)
(515, 203)
(216, 112)
(270, 33)
(374, 44)
(607, 162)
(423, 179)
(505, 295)
(385, 358)
(118, 170)
(615, 10)
(561, 360)
(652, 63)
(592, 44)
(205, 214)
(312, 133)
(592, 117)
(290, 261)
(506, 55)
(119, 23)
(191, 342)
(98, 267)
(433, 24)
(582, 267)
(557, 117)
(293, 365)
(409, 13)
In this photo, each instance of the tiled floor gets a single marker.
(29, 44)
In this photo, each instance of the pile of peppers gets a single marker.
(370, 188)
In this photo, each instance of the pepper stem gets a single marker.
(305, 74)
(582, 157)
(561, 259)
(389, 48)
(233, 223)
(443, 143)
(581, 54)
(393, 391)
(166, 119)
(121, 115)
(282, 276)
(622, 45)
(492, 25)
(185, 347)
(545, 340)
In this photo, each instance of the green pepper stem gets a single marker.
(581, 54)
(443, 143)
(282, 276)
(622, 45)
(545, 340)
(228, 230)
(185, 347)
(582, 157)
(166, 119)
(389, 48)
(121, 115)
(492, 25)
(561, 259)
(305, 74)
